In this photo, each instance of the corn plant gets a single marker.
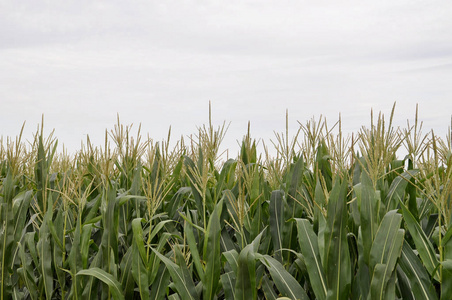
(330, 216)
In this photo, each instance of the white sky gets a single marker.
(159, 63)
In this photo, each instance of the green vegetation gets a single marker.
(329, 217)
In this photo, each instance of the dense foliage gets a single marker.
(329, 217)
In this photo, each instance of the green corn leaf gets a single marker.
(90, 287)
(322, 164)
(59, 256)
(245, 286)
(397, 189)
(22, 202)
(126, 279)
(7, 245)
(192, 172)
(45, 253)
(232, 258)
(138, 238)
(228, 280)
(286, 284)
(320, 201)
(423, 244)
(403, 283)
(161, 282)
(186, 273)
(75, 261)
(174, 297)
(337, 260)
(310, 250)
(231, 201)
(113, 285)
(178, 202)
(384, 269)
(92, 216)
(212, 253)
(139, 259)
(368, 213)
(45, 268)
(157, 228)
(446, 284)
(226, 175)
(293, 207)
(277, 221)
(363, 273)
(154, 261)
(226, 242)
(385, 238)
(110, 221)
(31, 245)
(418, 276)
(84, 244)
(268, 288)
(246, 277)
(54, 234)
(184, 286)
(446, 243)
(193, 245)
(26, 272)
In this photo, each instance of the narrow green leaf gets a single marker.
(286, 284)
(75, 261)
(245, 286)
(7, 245)
(27, 273)
(138, 238)
(232, 257)
(337, 260)
(212, 253)
(277, 222)
(45, 254)
(384, 269)
(126, 279)
(184, 287)
(310, 250)
(368, 213)
(22, 202)
(397, 189)
(268, 288)
(161, 282)
(446, 284)
(139, 260)
(423, 244)
(385, 238)
(228, 280)
(404, 285)
(420, 282)
(154, 261)
(193, 245)
(84, 244)
(113, 284)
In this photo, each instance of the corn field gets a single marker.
(328, 216)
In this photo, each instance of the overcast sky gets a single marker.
(159, 63)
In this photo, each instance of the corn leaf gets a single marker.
(418, 276)
(184, 286)
(286, 284)
(310, 250)
(337, 260)
(423, 244)
(212, 254)
(277, 222)
(114, 286)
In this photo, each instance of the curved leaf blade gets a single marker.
(113, 284)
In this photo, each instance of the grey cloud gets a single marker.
(159, 63)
